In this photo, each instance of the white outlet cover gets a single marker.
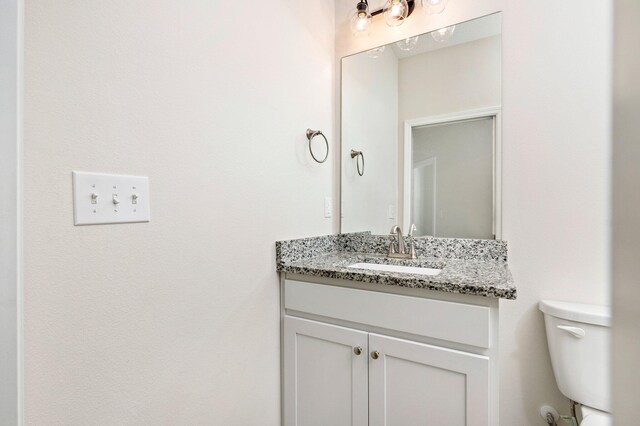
(391, 211)
(118, 198)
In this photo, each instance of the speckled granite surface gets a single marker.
(476, 267)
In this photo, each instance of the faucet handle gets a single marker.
(412, 247)
(392, 247)
(412, 251)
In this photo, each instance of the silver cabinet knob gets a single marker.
(357, 350)
(375, 354)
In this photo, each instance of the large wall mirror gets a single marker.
(421, 134)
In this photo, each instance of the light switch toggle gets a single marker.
(115, 199)
(134, 199)
(94, 198)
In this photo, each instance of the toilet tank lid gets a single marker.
(580, 312)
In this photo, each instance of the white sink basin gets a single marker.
(396, 268)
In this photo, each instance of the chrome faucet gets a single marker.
(402, 253)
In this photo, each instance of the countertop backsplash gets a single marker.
(364, 242)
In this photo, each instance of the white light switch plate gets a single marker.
(102, 198)
(327, 207)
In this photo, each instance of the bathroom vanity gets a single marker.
(370, 339)
(389, 347)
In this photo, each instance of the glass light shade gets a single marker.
(395, 12)
(376, 53)
(360, 22)
(434, 6)
(408, 43)
(443, 34)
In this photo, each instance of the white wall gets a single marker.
(556, 150)
(10, 211)
(371, 82)
(175, 321)
(626, 211)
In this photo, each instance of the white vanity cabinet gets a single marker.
(361, 354)
(416, 384)
(326, 374)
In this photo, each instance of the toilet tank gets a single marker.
(579, 339)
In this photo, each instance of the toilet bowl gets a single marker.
(579, 338)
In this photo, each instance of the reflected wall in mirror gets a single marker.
(425, 113)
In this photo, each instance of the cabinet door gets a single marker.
(325, 379)
(416, 384)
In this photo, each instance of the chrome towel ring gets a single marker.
(358, 155)
(312, 134)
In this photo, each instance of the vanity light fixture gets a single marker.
(361, 19)
(395, 12)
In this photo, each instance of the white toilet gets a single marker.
(579, 339)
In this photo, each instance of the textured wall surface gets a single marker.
(556, 95)
(175, 321)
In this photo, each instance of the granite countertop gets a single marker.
(475, 267)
